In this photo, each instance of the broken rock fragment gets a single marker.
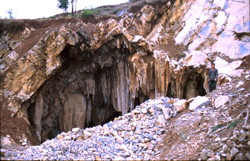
(198, 102)
(180, 105)
(220, 101)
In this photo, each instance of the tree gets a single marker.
(63, 4)
(72, 5)
(73, 2)
(10, 13)
(75, 6)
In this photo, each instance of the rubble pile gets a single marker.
(132, 136)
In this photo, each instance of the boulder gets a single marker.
(198, 102)
(75, 129)
(234, 151)
(88, 134)
(167, 112)
(220, 63)
(67, 138)
(223, 78)
(220, 101)
(161, 120)
(204, 154)
(180, 105)
(231, 69)
(7, 142)
(119, 139)
(106, 129)
(240, 156)
(248, 155)
(144, 110)
(60, 137)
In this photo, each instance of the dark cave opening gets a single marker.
(30, 112)
(91, 89)
(81, 93)
(201, 89)
(170, 91)
(137, 101)
(111, 117)
(194, 85)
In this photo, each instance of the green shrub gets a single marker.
(133, 1)
(52, 17)
(88, 12)
(233, 124)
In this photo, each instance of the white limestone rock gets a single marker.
(198, 102)
(195, 59)
(75, 129)
(167, 112)
(7, 142)
(229, 69)
(220, 101)
(144, 110)
(137, 38)
(180, 105)
(106, 129)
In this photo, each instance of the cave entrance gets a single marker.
(92, 88)
(194, 86)
(86, 91)
(140, 97)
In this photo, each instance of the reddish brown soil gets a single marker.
(172, 139)
(175, 51)
(246, 62)
(15, 127)
(42, 29)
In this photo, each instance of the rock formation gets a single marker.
(80, 74)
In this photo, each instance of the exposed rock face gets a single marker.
(86, 75)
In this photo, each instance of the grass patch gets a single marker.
(233, 124)
(214, 128)
(228, 126)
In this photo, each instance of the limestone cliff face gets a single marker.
(79, 74)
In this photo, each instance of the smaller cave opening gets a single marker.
(170, 91)
(31, 111)
(137, 101)
(112, 117)
(140, 97)
(200, 84)
(194, 86)
(56, 129)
